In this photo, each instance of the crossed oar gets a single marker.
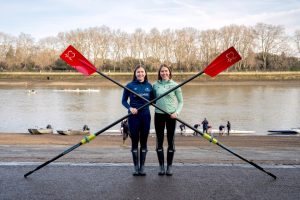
(81, 64)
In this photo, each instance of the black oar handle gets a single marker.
(244, 159)
(53, 159)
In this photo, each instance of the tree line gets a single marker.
(263, 47)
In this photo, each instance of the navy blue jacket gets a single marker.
(143, 89)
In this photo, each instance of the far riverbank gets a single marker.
(33, 79)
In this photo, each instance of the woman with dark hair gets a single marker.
(139, 121)
(171, 103)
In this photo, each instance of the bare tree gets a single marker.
(136, 46)
(75, 38)
(168, 46)
(119, 47)
(297, 39)
(190, 47)
(6, 41)
(153, 48)
(179, 49)
(242, 38)
(47, 52)
(270, 40)
(185, 47)
(98, 44)
(209, 45)
(24, 50)
(7, 50)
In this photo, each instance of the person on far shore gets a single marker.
(228, 127)
(196, 127)
(139, 121)
(204, 125)
(182, 128)
(221, 130)
(171, 103)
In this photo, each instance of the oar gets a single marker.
(89, 67)
(75, 59)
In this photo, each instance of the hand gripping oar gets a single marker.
(88, 67)
(79, 62)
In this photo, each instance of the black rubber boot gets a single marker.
(160, 156)
(170, 156)
(143, 153)
(135, 158)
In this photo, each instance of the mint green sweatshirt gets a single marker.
(173, 101)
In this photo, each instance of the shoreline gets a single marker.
(268, 141)
(94, 84)
(273, 150)
(74, 79)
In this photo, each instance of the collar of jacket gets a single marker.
(138, 82)
(164, 81)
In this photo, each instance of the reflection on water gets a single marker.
(247, 107)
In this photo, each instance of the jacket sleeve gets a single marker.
(179, 97)
(125, 98)
(152, 96)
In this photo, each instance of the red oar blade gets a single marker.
(78, 61)
(222, 62)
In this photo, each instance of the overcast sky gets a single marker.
(42, 18)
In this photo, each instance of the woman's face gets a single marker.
(140, 74)
(164, 73)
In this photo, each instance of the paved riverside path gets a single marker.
(114, 181)
(101, 169)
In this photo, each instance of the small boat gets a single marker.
(39, 131)
(292, 131)
(73, 132)
(85, 131)
(29, 92)
(78, 90)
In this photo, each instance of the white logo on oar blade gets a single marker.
(70, 55)
(230, 56)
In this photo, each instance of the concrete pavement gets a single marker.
(114, 181)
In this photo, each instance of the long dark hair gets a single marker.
(136, 68)
(166, 66)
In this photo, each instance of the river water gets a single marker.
(253, 106)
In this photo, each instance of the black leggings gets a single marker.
(160, 122)
(139, 126)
